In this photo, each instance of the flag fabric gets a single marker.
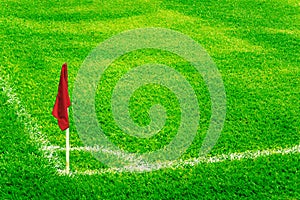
(62, 102)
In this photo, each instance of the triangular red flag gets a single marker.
(62, 102)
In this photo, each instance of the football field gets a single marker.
(248, 102)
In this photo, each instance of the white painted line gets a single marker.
(239, 156)
(29, 123)
(119, 154)
(145, 167)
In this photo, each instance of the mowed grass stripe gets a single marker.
(255, 45)
(251, 103)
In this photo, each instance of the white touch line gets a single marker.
(29, 123)
(181, 163)
(240, 156)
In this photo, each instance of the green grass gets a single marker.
(255, 45)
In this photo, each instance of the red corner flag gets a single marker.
(60, 110)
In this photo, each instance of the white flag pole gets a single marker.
(67, 149)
